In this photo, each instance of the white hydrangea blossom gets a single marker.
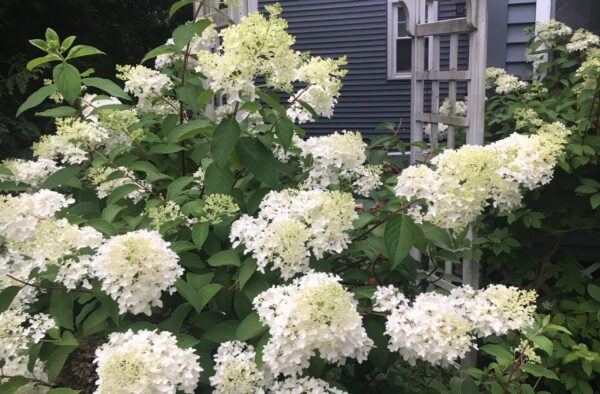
(199, 176)
(502, 82)
(323, 80)
(145, 362)
(314, 313)
(305, 385)
(29, 172)
(54, 243)
(441, 329)
(549, 31)
(204, 42)
(426, 329)
(148, 86)
(236, 371)
(589, 70)
(20, 215)
(497, 309)
(135, 268)
(582, 40)
(108, 179)
(465, 180)
(368, 178)
(292, 225)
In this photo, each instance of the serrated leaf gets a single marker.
(224, 141)
(58, 112)
(247, 269)
(68, 81)
(398, 238)
(121, 192)
(503, 356)
(225, 258)
(250, 327)
(36, 98)
(199, 234)
(106, 85)
(83, 50)
(538, 371)
(7, 295)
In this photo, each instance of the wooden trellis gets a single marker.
(428, 29)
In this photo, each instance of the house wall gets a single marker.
(358, 29)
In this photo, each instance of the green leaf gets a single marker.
(250, 327)
(178, 185)
(58, 112)
(61, 308)
(121, 192)
(595, 200)
(7, 295)
(166, 149)
(68, 81)
(199, 233)
(61, 177)
(398, 238)
(285, 132)
(189, 130)
(106, 85)
(503, 356)
(594, 291)
(225, 258)
(96, 321)
(57, 361)
(224, 141)
(258, 160)
(222, 332)
(51, 35)
(38, 61)
(183, 34)
(175, 321)
(272, 101)
(177, 5)
(205, 294)
(217, 180)
(67, 43)
(40, 44)
(247, 269)
(160, 50)
(103, 226)
(83, 50)
(538, 371)
(205, 98)
(36, 98)
(13, 384)
(544, 343)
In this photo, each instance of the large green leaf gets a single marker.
(57, 360)
(225, 258)
(7, 295)
(183, 34)
(503, 356)
(539, 371)
(58, 112)
(36, 98)
(38, 61)
(83, 50)
(68, 81)
(224, 140)
(398, 238)
(160, 50)
(106, 85)
(61, 308)
(199, 233)
(218, 180)
(177, 5)
(258, 160)
(250, 327)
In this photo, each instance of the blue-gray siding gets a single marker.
(521, 14)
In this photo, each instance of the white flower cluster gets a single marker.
(107, 179)
(261, 47)
(313, 314)
(339, 156)
(323, 80)
(460, 108)
(526, 118)
(19, 215)
(502, 82)
(590, 70)
(29, 172)
(145, 362)
(551, 30)
(236, 371)
(204, 42)
(497, 309)
(441, 329)
(465, 180)
(148, 86)
(306, 385)
(292, 224)
(135, 268)
(582, 40)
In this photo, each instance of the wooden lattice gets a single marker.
(427, 79)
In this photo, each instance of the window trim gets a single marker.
(392, 33)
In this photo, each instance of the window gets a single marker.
(399, 42)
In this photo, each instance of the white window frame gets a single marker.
(392, 32)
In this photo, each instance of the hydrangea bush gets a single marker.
(180, 234)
